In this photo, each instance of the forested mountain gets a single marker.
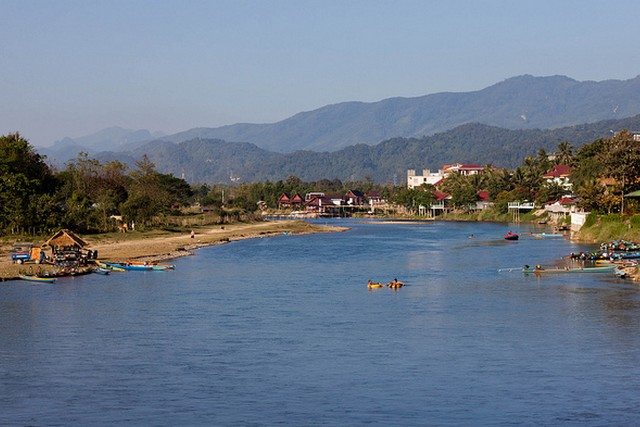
(113, 138)
(218, 161)
(524, 102)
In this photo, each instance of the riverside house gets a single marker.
(559, 174)
(435, 178)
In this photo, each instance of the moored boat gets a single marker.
(37, 279)
(129, 266)
(556, 270)
(110, 267)
(547, 235)
(100, 270)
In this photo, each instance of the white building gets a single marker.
(427, 177)
(434, 178)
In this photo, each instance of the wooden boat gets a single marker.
(555, 270)
(511, 236)
(129, 266)
(162, 267)
(548, 235)
(374, 285)
(110, 267)
(37, 279)
(154, 266)
(625, 255)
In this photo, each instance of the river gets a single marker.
(283, 330)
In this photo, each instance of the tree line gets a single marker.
(86, 193)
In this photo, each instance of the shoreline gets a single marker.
(171, 245)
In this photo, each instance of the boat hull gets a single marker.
(604, 269)
(36, 279)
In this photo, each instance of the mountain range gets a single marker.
(499, 124)
(219, 161)
(523, 102)
(112, 138)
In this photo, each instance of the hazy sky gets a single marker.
(70, 68)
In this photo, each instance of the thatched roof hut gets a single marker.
(66, 238)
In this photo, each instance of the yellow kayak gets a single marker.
(374, 285)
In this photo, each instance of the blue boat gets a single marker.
(130, 267)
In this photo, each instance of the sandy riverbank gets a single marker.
(167, 245)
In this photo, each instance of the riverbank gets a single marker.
(163, 245)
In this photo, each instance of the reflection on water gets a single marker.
(283, 330)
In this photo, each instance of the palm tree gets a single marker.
(564, 154)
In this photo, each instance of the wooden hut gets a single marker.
(68, 248)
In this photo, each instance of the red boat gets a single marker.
(511, 236)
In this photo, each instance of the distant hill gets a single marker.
(524, 102)
(113, 138)
(218, 161)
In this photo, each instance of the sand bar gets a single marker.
(162, 246)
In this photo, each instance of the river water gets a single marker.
(284, 330)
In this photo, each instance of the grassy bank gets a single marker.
(602, 228)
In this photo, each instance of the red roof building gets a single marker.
(560, 175)
(284, 200)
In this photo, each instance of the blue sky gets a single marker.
(70, 68)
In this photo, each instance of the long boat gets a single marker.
(154, 266)
(37, 279)
(603, 269)
(110, 267)
(130, 267)
(625, 255)
(548, 235)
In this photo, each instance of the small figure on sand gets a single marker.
(193, 234)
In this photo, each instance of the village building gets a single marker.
(435, 178)
(427, 177)
(322, 205)
(462, 169)
(284, 201)
(375, 199)
(354, 198)
(560, 209)
(69, 249)
(296, 201)
(559, 174)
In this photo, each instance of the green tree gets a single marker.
(621, 160)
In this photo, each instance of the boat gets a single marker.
(154, 266)
(548, 235)
(110, 267)
(555, 270)
(130, 267)
(374, 285)
(37, 279)
(100, 270)
(395, 284)
(162, 267)
(511, 236)
(625, 255)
